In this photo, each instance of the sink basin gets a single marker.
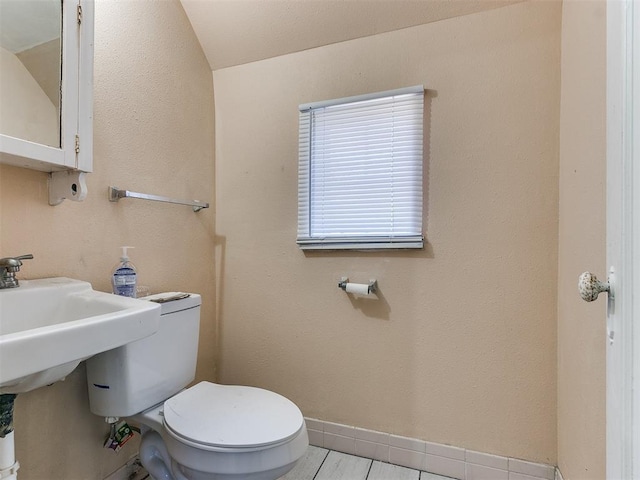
(48, 326)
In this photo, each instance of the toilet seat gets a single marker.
(209, 416)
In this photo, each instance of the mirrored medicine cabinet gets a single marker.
(46, 91)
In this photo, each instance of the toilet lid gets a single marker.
(231, 416)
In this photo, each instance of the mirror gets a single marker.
(31, 62)
(60, 81)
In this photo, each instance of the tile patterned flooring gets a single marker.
(322, 464)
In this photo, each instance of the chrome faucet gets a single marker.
(8, 268)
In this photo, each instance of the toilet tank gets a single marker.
(132, 378)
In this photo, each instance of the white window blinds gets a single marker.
(360, 171)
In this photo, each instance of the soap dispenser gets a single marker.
(124, 278)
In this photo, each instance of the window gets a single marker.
(360, 172)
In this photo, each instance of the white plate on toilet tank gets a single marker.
(231, 416)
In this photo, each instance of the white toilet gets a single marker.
(206, 432)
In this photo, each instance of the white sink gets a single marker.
(48, 326)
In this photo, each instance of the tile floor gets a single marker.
(322, 464)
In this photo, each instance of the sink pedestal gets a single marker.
(8, 464)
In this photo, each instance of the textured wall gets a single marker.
(153, 133)
(461, 346)
(581, 325)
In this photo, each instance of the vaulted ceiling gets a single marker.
(233, 32)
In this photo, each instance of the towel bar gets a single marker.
(115, 194)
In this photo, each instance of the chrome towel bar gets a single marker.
(115, 194)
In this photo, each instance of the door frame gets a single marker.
(623, 240)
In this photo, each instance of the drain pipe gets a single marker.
(8, 464)
(154, 456)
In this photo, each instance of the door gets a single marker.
(623, 240)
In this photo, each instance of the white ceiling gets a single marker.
(233, 32)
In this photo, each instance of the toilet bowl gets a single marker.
(205, 432)
(225, 432)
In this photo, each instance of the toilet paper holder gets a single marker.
(372, 286)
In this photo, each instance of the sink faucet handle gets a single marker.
(28, 256)
(9, 267)
(12, 264)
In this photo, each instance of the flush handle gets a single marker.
(590, 287)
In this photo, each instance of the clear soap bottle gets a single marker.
(124, 278)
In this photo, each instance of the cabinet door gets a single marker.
(71, 147)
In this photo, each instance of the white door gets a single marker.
(623, 239)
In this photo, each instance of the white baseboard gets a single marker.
(445, 460)
(437, 458)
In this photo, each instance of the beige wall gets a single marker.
(153, 133)
(581, 325)
(461, 346)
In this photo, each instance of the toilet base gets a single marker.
(187, 463)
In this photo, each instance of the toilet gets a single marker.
(204, 432)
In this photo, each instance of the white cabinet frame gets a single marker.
(75, 154)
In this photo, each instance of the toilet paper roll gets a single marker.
(357, 288)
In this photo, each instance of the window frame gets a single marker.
(306, 240)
